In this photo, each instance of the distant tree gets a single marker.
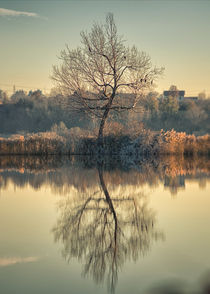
(173, 91)
(3, 97)
(168, 106)
(173, 88)
(202, 95)
(196, 114)
(54, 92)
(103, 67)
(60, 129)
(35, 94)
(185, 105)
(20, 94)
(150, 102)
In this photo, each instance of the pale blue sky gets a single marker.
(176, 34)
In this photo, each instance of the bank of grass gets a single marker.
(79, 142)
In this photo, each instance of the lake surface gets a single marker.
(74, 226)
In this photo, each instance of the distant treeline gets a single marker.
(35, 112)
(192, 117)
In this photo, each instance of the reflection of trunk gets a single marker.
(109, 201)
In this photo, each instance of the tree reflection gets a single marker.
(103, 232)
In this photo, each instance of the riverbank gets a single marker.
(146, 143)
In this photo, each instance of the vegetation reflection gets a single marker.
(60, 174)
(103, 232)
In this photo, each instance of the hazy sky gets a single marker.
(176, 34)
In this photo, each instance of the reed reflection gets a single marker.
(60, 174)
(104, 231)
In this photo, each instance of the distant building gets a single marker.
(179, 95)
(190, 98)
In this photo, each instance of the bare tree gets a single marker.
(173, 88)
(94, 74)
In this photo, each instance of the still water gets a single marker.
(72, 226)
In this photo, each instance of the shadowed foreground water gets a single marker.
(72, 225)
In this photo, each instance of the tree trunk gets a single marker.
(103, 120)
(102, 124)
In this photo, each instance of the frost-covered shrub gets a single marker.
(60, 129)
(173, 142)
(203, 144)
